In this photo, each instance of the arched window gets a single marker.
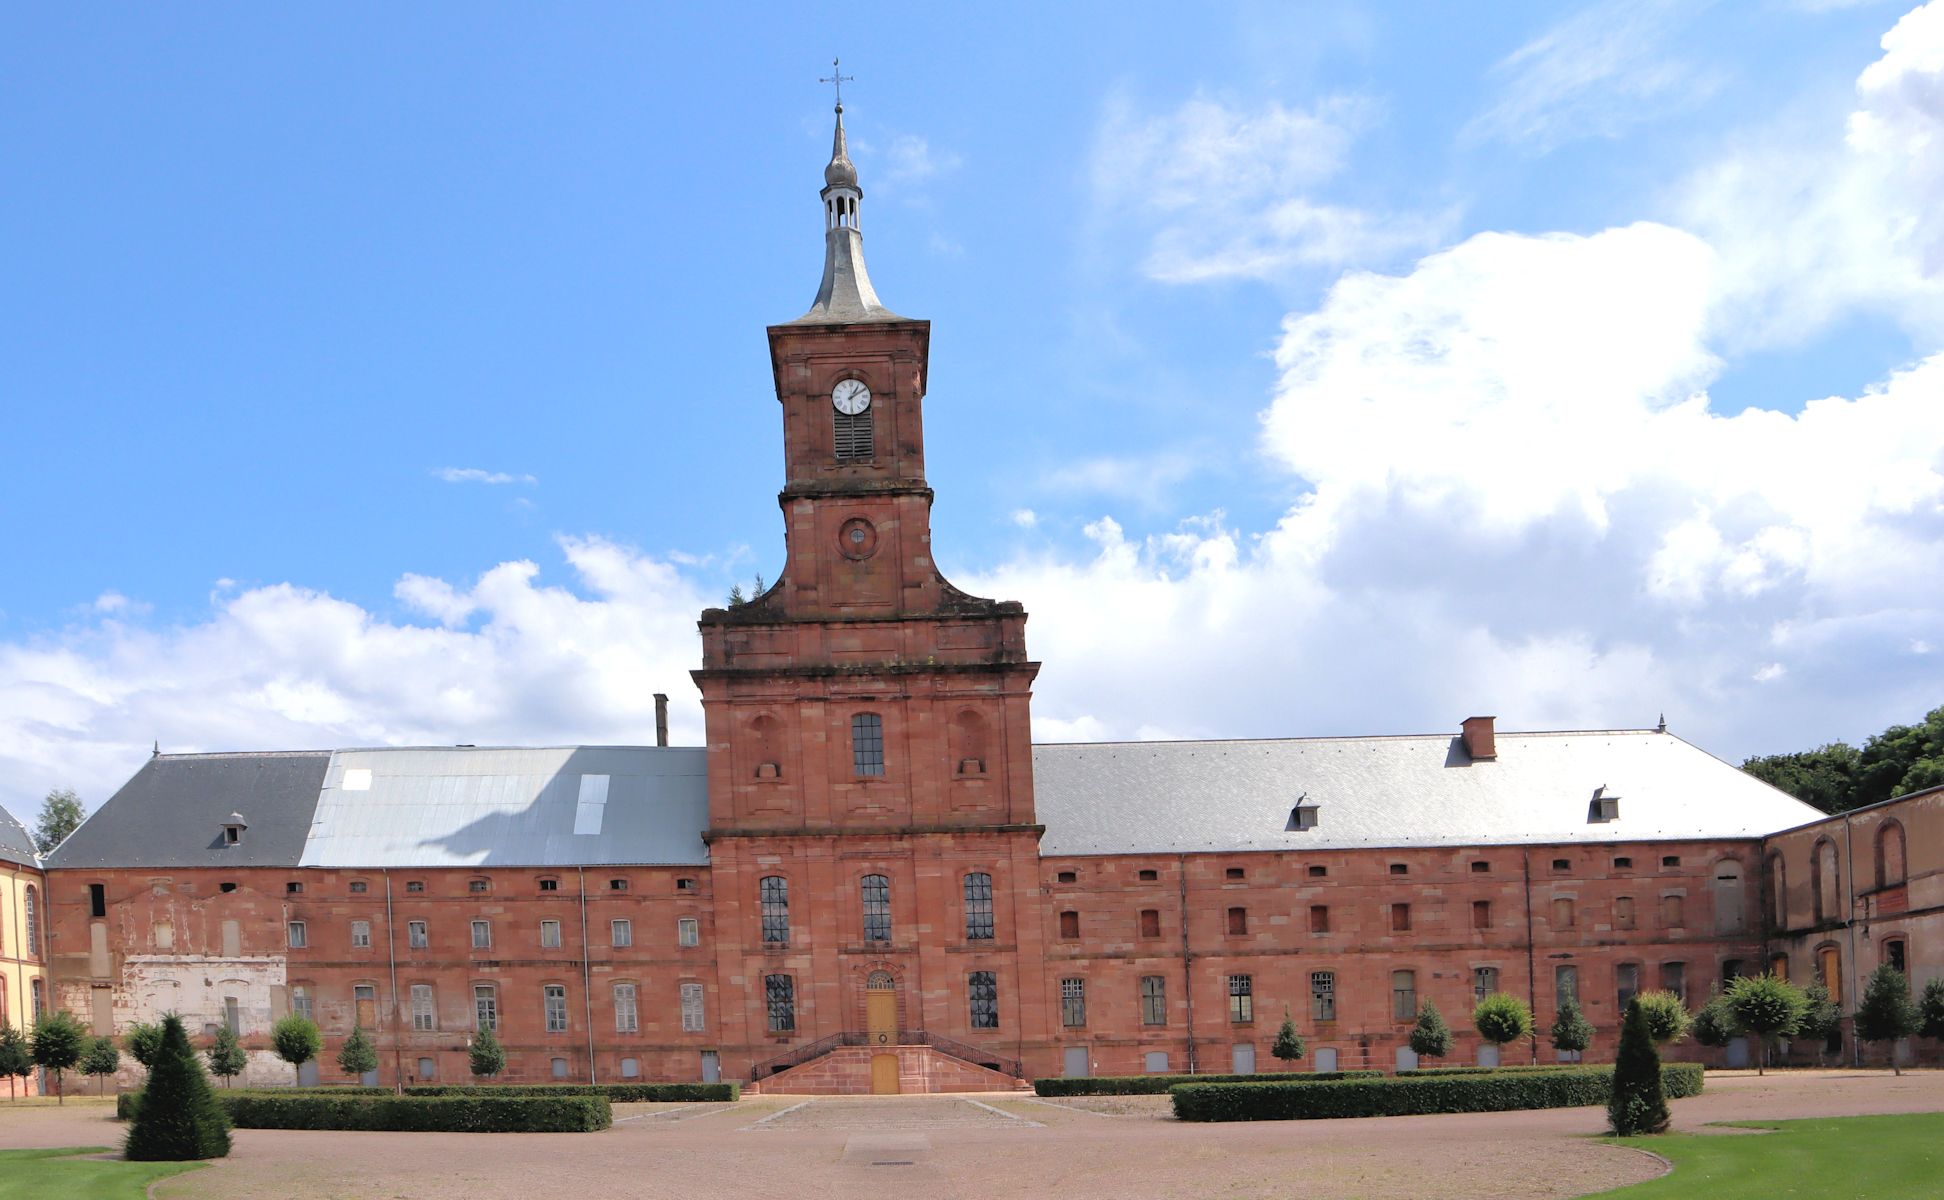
(1778, 881)
(867, 744)
(968, 743)
(1728, 905)
(1890, 854)
(978, 907)
(774, 895)
(1823, 882)
(875, 892)
(31, 910)
(880, 981)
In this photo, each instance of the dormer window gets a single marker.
(233, 829)
(1302, 818)
(1605, 806)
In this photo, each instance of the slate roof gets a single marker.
(171, 813)
(16, 843)
(1175, 797)
(551, 807)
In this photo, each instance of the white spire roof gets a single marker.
(845, 296)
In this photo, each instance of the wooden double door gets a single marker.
(881, 1026)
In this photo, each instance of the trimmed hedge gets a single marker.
(127, 1102)
(1527, 1068)
(1496, 1091)
(380, 1109)
(1154, 1085)
(618, 1093)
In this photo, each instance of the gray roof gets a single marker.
(16, 844)
(553, 807)
(1175, 797)
(171, 814)
(845, 295)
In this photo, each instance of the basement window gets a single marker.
(617, 885)
(226, 887)
(1148, 876)
(1069, 877)
(550, 885)
(1622, 863)
(1481, 867)
(1235, 873)
(359, 887)
(293, 888)
(1671, 860)
(414, 885)
(1562, 864)
(685, 884)
(1318, 872)
(478, 885)
(1400, 869)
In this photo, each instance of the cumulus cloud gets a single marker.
(476, 475)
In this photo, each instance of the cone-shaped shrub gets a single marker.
(1430, 1037)
(488, 1059)
(1571, 1031)
(1887, 1013)
(179, 1118)
(356, 1056)
(1289, 1044)
(1639, 1103)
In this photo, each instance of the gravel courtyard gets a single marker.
(983, 1146)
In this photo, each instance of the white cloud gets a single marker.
(910, 160)
(476, 475)
(1025, 518)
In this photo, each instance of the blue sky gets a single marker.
(1368, 362)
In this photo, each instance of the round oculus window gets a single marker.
(857, 538)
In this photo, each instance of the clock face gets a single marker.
(851, 397)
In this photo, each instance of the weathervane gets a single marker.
(840, 80)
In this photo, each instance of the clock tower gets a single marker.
(871, 823)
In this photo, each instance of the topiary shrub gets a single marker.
(226, 1056)
(1572, 1033)
(485, 1055)
(1765, 1008)
(142, 1041)
(1430, 1037)
(1931, 1009)
(357, 1056)
(1822, 1021)
(179, 1119)
(1289, 1044)
(1886, 1013)
(1667, 1017)
(1501, 1018)
(1714, 1025)
(16, 1059)
(1638, 1103)
(101, 1060)
(297, 1041)
(58, 1044)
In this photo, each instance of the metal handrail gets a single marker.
(905, 1037)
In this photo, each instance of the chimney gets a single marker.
(661, 720)
(1480, 743)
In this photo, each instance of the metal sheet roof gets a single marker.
(16, 843)
(171, 814)
(489, 806)
(1174, 797)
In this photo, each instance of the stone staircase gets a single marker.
(922, 1070)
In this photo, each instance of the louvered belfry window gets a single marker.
(852, 437)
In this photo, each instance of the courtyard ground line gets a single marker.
(1066, 1107)
(1002, 1112)
(666, 1112)
(782, 1112)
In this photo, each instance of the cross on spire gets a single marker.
(840, 79)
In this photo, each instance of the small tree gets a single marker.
(1430, 1037)
(143, 1042)
(1822, 1021)
(1502, 1017)
(1765, 1008)
(1289, 1044)
(59, 815)
(1886, 1013)
(1931, 1009)
(357, 1055)
(488, 1059)
(296, 1041)
(226, 1056)
(1667, 1017)
(1572, 1033)
(59, 1042)
(101, 1061)
(1714, 1025)
(1639, 1102)
(16, 1060)
(179, 1118)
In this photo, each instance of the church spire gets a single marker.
(845, 296)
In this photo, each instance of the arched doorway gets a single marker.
(881, 1008)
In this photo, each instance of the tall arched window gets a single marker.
(1778, 882)
(774, 895)
(867, 744)
(875, 892)
(1890, 855)
(1823, 882)
(978, 907)
(1728, 896)
(31, 910)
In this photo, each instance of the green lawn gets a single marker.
(41, 1174)
(1855, 1158)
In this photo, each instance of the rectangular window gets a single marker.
(1670, 860)
(1070, 925)
(300, 1003)
(1481, 914)
(688, 931)
(1622, 862)
(1238, 921)
(851, 435)
(617, 885)
(553, 885)
(779, 992)
(1073, 1003)
(424, 1015)
(555, 998)
(482, 935)
(1150, 922)
(773, 893)
(1484, 982)
(1565, 983)
(1893, 955)
(1150, 874)
(626, 1017)
(1562, 913)
(417, 935)
(1626, 983)
(621, 933)
(1319, 872)
(1480, 867)
(1672, 916)
(1674, 979)
(485, 1007)
(476, 886)
(415, 885)
(550, 935)
(293, 888)
(1404, 995)
(982, 995)
(299, 936)
(1319, 918)
(360, 887)
(1241, 993)
(1322, 995)
(1623, 912)
(867, 744)
(233, 1015)
(361, 935)
(97, 899)
(1235, 873)
(691, 1008)
(1154, 1000)
(1400, 869)
(1829, 965)
(1400, 918)
(978, 907)
(875, 895)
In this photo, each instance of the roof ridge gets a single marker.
(1347, 737)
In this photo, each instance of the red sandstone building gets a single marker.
(870, 877)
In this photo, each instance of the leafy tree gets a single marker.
(488, 1059)
(296, 1041)
(59, 814)
(1667, 1017)
(59, 1042)
(226, 1056)
(1571, 1031)
(179, 1118)
(1822, 1021)
(1837, 777)
(143, 1042)
(1639, 1103)
(357, 1055)
(1502, 1017)
(1715, 1025)
(1766, 1008)
(101, 1061)
(16, 1060)
(1886, 1013)
(1824, 777)
(1289, 1044)
(1430, 1037)
(1931, 1009)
